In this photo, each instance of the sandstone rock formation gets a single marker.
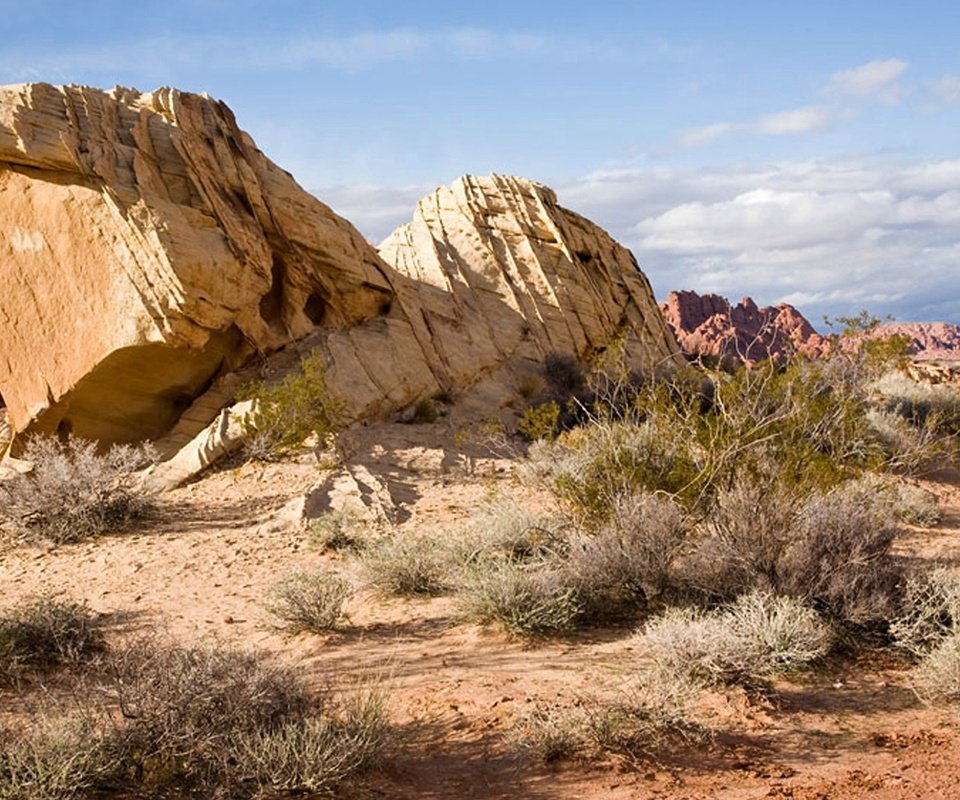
(148, 249)
(710, 325)
(147, 246)
(498, 268)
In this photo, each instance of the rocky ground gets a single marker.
(201, 566)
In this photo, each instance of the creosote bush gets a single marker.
(74, 491)
(309, 601)
(46, 632)
(288, 413)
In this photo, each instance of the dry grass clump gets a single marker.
(929, 613)
(73, 491)
(525, 599)
(338, 531)
(937, 677)
(309, 601)
(505, 528)
(60, 759)
(656, 711)
(46, 632)
(202, 720)
(915, 505)
(405, 565)
(757, 637)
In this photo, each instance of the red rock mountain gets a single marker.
(711, 325)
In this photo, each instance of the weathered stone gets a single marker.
(146, 247)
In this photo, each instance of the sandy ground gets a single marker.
(202, 564)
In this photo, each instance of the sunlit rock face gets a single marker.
(146, 246)
(510, 271)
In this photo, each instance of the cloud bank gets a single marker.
(830, 236)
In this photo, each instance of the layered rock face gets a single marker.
(928, 341)
(147, 249)
(146, 246)
(710, 325)
(497, 268)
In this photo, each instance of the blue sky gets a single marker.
(792, 151)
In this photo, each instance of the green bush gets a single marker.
(74, 491)
(338, 531)
(288, 413)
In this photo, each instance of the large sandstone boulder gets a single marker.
(146, 246)
(148, 250)
(497, 268)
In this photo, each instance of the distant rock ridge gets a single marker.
(149, 250)
(711, 325)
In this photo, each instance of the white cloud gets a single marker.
(835, 235)
(947, 89)
(873, 79)
(805, 119)
(694, 137)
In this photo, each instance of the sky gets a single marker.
(796, 152)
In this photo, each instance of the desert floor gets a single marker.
(202, 563)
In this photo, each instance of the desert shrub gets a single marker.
(657, 710)
(747, 530)
(937, 677)
(288, 413)
(424, 412)
(925, 405)
(915, 505)
(182, 707)
(209, 720)
(525, 599)
(406, 565)
(839, 559)
(46, 632)
(564, 375)
(62, 758)
(627, 561)
(757, 637)
(73, 491)
(505, 528)
(551, 733)
(929, 611)
(541, 421)
(337, 531)
(319, 752)
(305, 601)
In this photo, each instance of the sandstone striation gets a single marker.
(148, 250)
(498, 269)
(148, 246)
(710, 325)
